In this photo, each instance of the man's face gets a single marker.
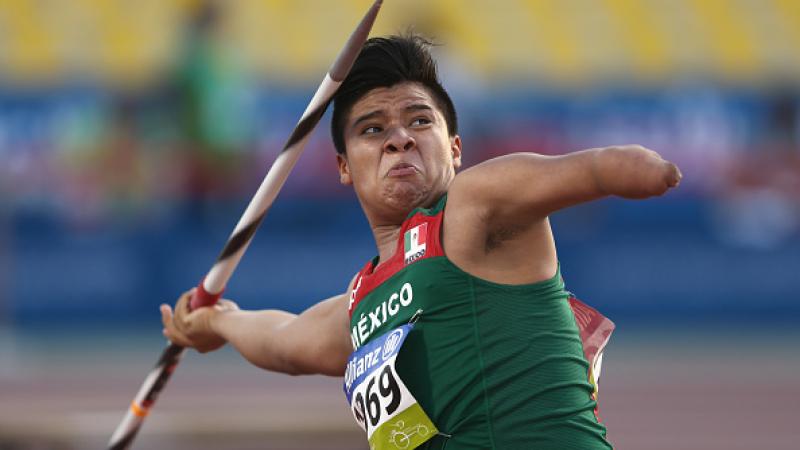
(399, 153)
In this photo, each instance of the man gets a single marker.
(494, 359)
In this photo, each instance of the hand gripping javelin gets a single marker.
(212, 285)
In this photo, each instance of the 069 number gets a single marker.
(388, 390)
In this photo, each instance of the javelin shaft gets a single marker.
(148, 393)
(213, 284)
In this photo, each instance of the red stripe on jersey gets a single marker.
(371, 277)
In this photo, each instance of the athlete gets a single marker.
(494, 358)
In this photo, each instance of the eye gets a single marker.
(420, 121)
(371, 130)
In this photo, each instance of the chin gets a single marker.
(405, 196)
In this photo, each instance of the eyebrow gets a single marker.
(368, 116)
(378, 112)
(418, 107)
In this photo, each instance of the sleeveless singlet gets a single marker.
(506, 367)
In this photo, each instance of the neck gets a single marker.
(386, 240)
(386, 225)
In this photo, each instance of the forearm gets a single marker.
(632, 172)
(257, 336)
(313, 342)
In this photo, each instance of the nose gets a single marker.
(398, 139)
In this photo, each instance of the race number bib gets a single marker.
(380, 401)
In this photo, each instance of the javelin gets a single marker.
(213, 284)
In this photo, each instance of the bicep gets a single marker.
(527, 186)
(317, 340)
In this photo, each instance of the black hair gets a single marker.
(385, 62)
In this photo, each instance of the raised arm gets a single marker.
(528, 186)
(313, 342)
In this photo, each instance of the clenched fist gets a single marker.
(194, 328)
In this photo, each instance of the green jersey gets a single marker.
(494, 366)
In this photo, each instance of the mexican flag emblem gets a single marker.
(415, 243)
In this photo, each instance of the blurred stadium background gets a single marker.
(132, 134)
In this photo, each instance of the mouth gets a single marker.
(400, 170)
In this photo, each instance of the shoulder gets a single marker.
(466, 215)
(499, 172)
(478, 190)
(487, 224)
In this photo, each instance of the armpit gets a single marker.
(495, 238)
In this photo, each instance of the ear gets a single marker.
(344, 170)
(455, 149)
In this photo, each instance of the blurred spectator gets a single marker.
(5, 260)
(211, 110)
(783, 120)
(759, 205)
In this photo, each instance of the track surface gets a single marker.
(65, 392)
